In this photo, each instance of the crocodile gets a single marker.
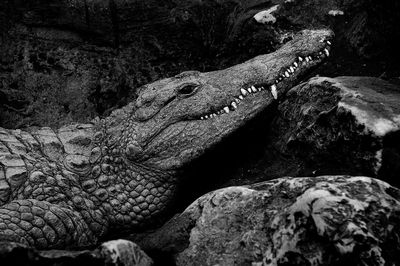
(71, 187)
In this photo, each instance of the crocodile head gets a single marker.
(179, 118)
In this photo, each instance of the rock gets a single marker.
(326, 220)
(116, 252)
(343, 125)
(360, 26)
(266, 16)
(124, 252)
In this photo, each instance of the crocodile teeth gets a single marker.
(328, 42)
(274, 92)
(273, 88)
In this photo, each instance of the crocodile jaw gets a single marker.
(227, 100)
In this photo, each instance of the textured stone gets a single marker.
(123, 252)
(343, 125)
(118, 252)
(327, 220)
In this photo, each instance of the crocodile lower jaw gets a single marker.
(287, 74)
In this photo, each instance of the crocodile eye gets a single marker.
(188, 90)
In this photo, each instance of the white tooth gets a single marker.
(300, 58)
(241, 97)
(260, 88)
(286, 74)
(291, 68)
(310, 57)
(249, 90)
(206, 116)
(253, 89)
(328, 42)
(274, 92)
(234, 105)
(243, 91)
(295, 64)
(237, 100)
(326, 52)
(307, 59)
(202, 118)
(226, 109)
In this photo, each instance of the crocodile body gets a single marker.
(72, 186)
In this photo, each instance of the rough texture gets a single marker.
(347, 125)
(327, 220)
(80, 59)
(73, 186)
(117, 252)
(313, 132)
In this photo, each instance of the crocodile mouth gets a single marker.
(289, 73)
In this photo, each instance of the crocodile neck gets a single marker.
(127, 192)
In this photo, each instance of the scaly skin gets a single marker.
(72, 186)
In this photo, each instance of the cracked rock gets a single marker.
(326, 220)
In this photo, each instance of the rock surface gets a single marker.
(343, 125)
(327, 220)
(116, 252)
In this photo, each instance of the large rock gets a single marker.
(344, 125)
(327, 220)
(324, 126)
(116, 252)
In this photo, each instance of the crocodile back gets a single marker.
(42, 156)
